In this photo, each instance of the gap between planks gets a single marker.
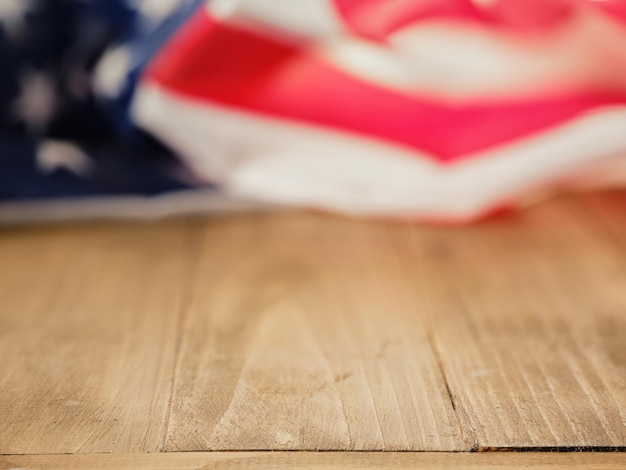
(320, 460)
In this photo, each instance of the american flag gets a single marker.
(428, 109)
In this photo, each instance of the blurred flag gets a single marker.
(429, 109)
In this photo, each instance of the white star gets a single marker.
(52, 154)
(12, 14)
(111, 72)
(37, 101)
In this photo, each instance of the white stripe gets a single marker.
(124, 207)
(302, 19)
(461, 62)
(278, 161)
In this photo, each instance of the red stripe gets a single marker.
(214, 62)
(377, 19)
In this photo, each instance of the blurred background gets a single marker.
(424, 109)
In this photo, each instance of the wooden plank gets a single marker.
(88, 320)
(607, 209)
(302, 334)
(322, 460)
(528, 318)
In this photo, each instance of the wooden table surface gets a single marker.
(296, 331)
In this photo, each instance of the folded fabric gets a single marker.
(428, 109)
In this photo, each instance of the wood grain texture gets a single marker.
(88, 320)
(529, 320)
(322, 460)
(607, 212)
(302, 333)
